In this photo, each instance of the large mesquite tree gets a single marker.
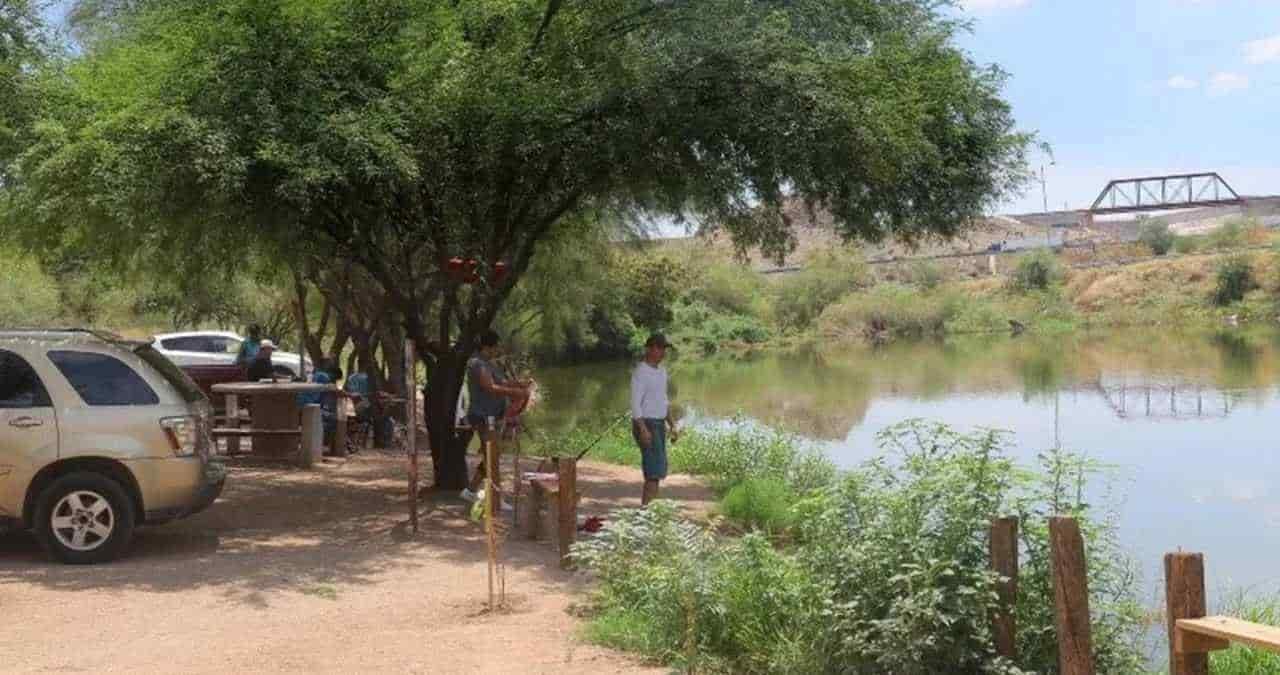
(398, 134)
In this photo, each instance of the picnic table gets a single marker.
(274, 415)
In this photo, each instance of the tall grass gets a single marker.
(890, 310)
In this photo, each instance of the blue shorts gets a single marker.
(653, 458)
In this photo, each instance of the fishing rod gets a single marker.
(604, 433)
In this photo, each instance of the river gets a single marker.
(1186, 420)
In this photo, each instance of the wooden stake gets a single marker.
(567, 468)
(1071, 598)
(492, 455)
(232, 405)
(492, 496)
(1004, 561)
(1184, 599)
(411, 433)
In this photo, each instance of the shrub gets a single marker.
(1235, 279)
(1036, 272)
(800, 298)
(892, 310)
(698, 326)
(731, 289)
(30, 295)
(1156, 235)
(888, 572)
(1183, 245)
(760, 503)
(926, 275)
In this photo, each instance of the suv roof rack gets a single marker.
(105, 336)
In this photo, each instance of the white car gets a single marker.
(217, 348)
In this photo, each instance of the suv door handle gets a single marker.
(26, 423)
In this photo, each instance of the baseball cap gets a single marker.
(657, 340)
(266, 344)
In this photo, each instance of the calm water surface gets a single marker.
(1188, 420)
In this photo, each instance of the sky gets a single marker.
(1128, 88)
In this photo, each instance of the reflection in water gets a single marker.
(1186, 419)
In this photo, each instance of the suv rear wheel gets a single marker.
(84, 518)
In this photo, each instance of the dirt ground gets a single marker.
(312, 571)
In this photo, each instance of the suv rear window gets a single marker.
(176, 376)
(20, 387)
(103, 380)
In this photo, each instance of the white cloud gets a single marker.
(1182, 82)
(992, 5)
(1263, 51)
(1222, 84)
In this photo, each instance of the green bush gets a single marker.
(800, 298)
(888, 571)
(926, 275)
(1036, 272)
(760, 503)
(731, 289)
(1183, 245)
(890, 310)
(1156, 235)
(30, 296)
(1234, 280)
(1232, 234)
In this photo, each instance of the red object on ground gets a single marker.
(455, 267)
(499, 271)
(593, 524)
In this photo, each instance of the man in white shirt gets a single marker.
(651, 414)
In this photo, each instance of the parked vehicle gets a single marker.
(217, 348)
(98, 435)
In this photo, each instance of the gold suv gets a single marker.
(97, 435)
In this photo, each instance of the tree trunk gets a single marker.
(448, 453)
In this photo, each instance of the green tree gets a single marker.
(399, 134)
(21, 47)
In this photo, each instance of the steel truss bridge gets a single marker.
(1163, 193)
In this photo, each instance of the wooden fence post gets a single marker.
(1184, 599)
(1071, 598)
(567, 468)
(1004, 561)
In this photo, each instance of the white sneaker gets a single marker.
(472, 497)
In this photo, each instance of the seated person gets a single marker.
(260, 368)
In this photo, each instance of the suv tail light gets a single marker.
(183, 434)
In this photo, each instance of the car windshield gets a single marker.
(180, 381)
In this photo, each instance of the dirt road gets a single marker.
(310, 571)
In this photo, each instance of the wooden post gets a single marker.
(312, 436)
(411, 431)
(492, 455)
(1184, 599)
(537, 499)
(494, 498)
(567, 468)
(1004, 561)
(232, 405)
(1071, 598)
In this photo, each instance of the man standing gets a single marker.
(651, 414)
(487, 393)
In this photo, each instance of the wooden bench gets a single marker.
(1200, 636)
(559, 497)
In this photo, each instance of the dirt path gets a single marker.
(310, 571)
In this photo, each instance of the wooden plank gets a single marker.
(1003, 545)
(567, 468)
(537, 499)
(1256, 635)
(411, 430)
(1071, 598)
(1188, 644)
(1184, 599)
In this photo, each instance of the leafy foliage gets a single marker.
(760, 503)
(1234, 279)
(801, 298)
(1036, 272)
(888, 571)
(1156, 235)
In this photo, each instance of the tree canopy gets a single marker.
(21, 47)
(399, 134)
